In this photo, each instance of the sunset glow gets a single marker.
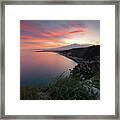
(39, 34)
(58, 56)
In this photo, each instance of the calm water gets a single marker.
(42, 68)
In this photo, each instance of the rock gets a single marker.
(43, 95)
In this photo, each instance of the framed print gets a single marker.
(60, 59)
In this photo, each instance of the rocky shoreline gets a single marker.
(82, 84)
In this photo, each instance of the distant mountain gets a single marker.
(68, 47)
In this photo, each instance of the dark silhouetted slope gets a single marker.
(88, 52)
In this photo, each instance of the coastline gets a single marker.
(75, 59)
(84, 80)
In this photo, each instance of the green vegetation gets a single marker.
(82, 84)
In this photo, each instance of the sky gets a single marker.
(40, 34)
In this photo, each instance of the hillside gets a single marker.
(83, 83)
(86, 53)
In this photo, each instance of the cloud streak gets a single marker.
(53, 32)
